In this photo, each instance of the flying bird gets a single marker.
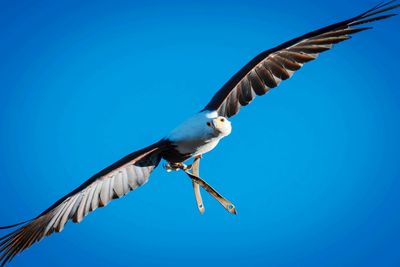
(196, 136)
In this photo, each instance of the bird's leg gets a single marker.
(223, 201)
(196, 188)
(197, 180)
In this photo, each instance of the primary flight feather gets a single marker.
(194, 137)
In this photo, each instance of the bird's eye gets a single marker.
(208, 123)
(222, 120)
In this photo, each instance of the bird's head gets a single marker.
(220, 125)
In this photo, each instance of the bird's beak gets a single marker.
(213, 124)
(216, 125)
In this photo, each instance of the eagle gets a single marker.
(196, 136)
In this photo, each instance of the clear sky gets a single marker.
(313, 166)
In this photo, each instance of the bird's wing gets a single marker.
(271, 67)
(111, 183)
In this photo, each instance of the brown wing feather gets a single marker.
(113, 182)
(271, 67)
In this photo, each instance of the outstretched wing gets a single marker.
(271, 67)
(113, 182)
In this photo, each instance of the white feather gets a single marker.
(193, 128)
(194, 136)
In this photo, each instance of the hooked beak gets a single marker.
(215, 125)
(211, 124)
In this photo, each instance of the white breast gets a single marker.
(194, 136)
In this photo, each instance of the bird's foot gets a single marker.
(177, 166)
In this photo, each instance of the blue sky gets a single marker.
(312, 166)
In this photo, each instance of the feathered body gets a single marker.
(197, 135)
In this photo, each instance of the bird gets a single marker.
(198, 135)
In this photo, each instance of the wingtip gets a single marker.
(380, 9)
(383, 4)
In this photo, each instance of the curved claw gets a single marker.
(231, 209)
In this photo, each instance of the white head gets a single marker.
(202, 126)
(220, 126)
